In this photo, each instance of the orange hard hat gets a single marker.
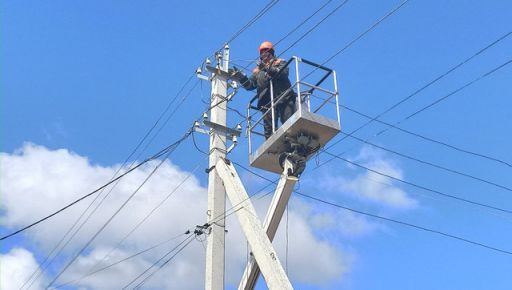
(265, 45)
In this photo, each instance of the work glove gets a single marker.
(239, 76)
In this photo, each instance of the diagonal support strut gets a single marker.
(272, 219)
(261, 246)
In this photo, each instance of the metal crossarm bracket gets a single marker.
(224, 74)
(261, 246)
(222, 129)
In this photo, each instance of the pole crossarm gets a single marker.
(272, 219)
(261, 246)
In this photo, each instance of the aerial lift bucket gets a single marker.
(315, 122)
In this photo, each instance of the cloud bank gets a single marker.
(36, 181)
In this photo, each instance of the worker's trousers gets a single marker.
(282, 111)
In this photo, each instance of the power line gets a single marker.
(369, 29)
(255, 18)
(406, 224)
(188, 238)
(233, 209)
(316, 25)
(457, 148)
(458, 90)
(163, 265)
(120, 261)
(431, 164)
(149, 214)
(117, 211)
(49, 259)
(421, 186)
(302, 22)
(427, 106)
(454, 68)
(357, 38)
(104, 225)
(452, 236)
(157, 155)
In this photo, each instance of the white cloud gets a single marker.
(16, 267)
(373, 187)
(36, 181)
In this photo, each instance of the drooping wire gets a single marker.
(196, 146)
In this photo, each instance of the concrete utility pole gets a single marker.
(215, 253)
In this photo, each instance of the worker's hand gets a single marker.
(272, 70)
(237, 74)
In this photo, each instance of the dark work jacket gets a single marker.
(260, 80)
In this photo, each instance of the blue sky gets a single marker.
(92, 77)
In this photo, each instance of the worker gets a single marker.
(270, 68)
